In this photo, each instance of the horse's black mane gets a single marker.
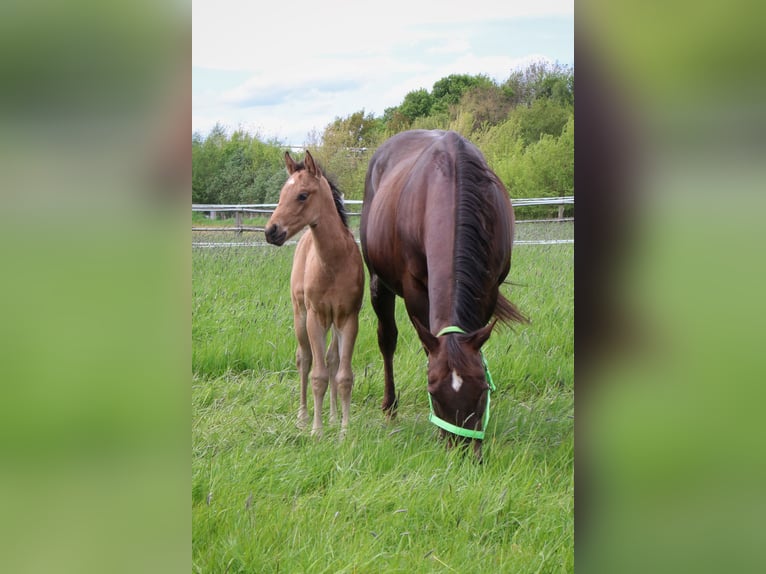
(473, 252)
(336, 193)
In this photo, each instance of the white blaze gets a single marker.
(291, 181)
(457, 381)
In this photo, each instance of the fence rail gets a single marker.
(267, 208)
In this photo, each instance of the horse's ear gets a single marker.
(478, 338)
(290, 164)
(311, 165)
(430, 342)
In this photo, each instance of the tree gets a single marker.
(541, 80)
(416, 104)
(235, 169)
(346, 146)
(487, 105)
(544, 116)
(448, 91)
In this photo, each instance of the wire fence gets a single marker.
(247, 218)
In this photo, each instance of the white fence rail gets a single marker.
(267, 208)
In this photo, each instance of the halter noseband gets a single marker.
(449, 427)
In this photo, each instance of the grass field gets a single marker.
(266, 497)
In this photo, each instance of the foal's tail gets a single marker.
(507, 312)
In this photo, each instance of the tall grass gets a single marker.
(266, 497)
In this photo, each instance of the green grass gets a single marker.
(266, 497)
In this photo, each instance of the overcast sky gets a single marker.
(281, 69)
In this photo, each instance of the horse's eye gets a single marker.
(302, 196)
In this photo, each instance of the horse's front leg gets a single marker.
(303, 360)
(332, 359)
(384, 303)
(320, 375)
(345, 377)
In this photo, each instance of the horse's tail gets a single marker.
(507, 312)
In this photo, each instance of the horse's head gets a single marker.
(298, 201)
(457, 381)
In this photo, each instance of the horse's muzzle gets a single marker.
(275, 234)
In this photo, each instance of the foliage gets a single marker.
(235, 169)
(416, 104)
(524, 126)
(541, 80)
(346, 146)
(544, 168)
(449, 91)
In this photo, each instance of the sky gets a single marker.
(280, 70)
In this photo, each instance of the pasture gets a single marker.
(266, 497)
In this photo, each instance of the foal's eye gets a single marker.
(302, 196)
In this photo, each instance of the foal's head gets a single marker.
(302, 200)
(457, 380)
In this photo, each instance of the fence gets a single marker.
(268, 208)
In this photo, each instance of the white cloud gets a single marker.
(299, 65)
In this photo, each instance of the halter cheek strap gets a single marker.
(449, 427)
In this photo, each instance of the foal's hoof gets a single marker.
(303, 421)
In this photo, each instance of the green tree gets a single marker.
(449, 90)
(347, 144)
(540, 80)
(544, 116)
(416, 104)
(487, 105)
(235, 169)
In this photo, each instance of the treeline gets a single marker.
(523, 125)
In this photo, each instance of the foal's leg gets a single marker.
(302, 360)
(331, 360)
(384, 302)
(319, 374)
(345, 377)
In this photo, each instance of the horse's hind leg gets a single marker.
(332, 359)
(384, 302)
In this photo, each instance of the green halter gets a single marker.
(449, 427)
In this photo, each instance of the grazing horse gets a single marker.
(437, 229)
(326, 285)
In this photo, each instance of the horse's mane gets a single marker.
(337, 196)
(473, 250)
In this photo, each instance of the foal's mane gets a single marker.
(473, 248)
(337, 196)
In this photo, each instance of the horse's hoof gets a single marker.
(390, 409)
(303, 421)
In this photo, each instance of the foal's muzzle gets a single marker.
(275, 234)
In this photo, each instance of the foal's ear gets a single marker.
(290, 164)
(311, 165)
(430, 342)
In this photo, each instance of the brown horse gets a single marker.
(437, 229)
(326, 284)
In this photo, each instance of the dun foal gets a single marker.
(326, 284)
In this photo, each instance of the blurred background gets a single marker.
(95, 171)
(95, 332)
(668, 287)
